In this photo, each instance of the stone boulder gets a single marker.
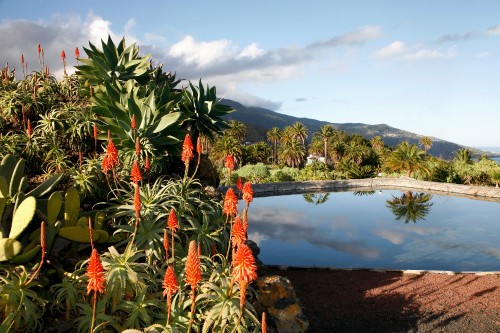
(278, 299)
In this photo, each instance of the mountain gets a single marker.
(260, 120)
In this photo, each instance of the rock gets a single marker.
(278, 299)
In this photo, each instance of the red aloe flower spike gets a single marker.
(264, 323)
(229, 163)
(132, 122)
(22, 59)
(39, 49)
(243, 294)
(239, 185)
(28, 129)
(105, 164)
(112, 154)
(173, 225)
(193, 269)
(238, 234)
(187, 150)
(95, 283)
(95, 137)
(248, 192)
(135, 173)
(44, 248)
(77, 53)
(170, 287)
(199, 146)
(230, 203)
(147, 164)
(173, 222)
(95, 274)
(63, 55)
(137, 202)
(244, 268)
(137, 147)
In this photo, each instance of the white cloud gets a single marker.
(393, 49)
(252, 51)
(394, 237)
(494, 31)
(429, 54)
(202, 54)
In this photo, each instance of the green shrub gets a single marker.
(258, 173)
(315, 171)
(285, 174)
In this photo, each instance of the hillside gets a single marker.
(260, 120)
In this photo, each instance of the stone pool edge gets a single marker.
(384, 270)
(297, 187)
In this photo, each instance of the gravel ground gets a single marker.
(367, 301)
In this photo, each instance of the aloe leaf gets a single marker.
(46, 186)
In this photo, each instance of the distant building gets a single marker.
(315, 158)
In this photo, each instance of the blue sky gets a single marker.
(429, 67)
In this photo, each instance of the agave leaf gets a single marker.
(166, 121)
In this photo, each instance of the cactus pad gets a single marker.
(54, 207)
(71, 207)
(9, 248)
(78, 234)
(22, 217)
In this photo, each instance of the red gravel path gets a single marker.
(366, 301)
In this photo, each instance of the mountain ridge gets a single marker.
(259, 120)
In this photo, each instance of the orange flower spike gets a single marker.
(133, 123)
(137, 147)
(248, 192)
(239, 185)
(244, 268)
(137, 201)
(170, 285)
(238, 234)
(264, 323)
(95, 274)
(199, 146)
(230, 203)
(147, 164)
(135, 173)
(28, 129)
(172, 222)
(193, 269)
(229, 162)
(63, 55)
(95, 132)
(105, 164)
(22, 59)
(112, 154)
(243, 293)
(187, 150)
(77, 53)
(39, 49)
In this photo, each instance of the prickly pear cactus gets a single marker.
(23, 216)
(78, 234)
(9, 248)
(71, 207)
(54, 205)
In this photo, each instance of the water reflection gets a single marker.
(361, 193)
(410, 206)
(316, 198)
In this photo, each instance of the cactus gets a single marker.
(9, 248)
(4, 187)
(54, 205)
(26, 255)
(99, 220)
(103, 235)
(23, 215)
(78, 234)
(7, 166)
(46, 186)
(71, 207)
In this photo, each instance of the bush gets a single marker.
(258, 173)
(315, 171)
(285, 174)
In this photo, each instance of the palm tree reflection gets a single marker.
(316, 198)
(410, 206)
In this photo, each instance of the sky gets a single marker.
(429, 67)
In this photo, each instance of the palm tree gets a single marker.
(316, 146)
(407, 157)
(292, 153)
(337, 150)
(426, 142)
(325, 133)
(236, 129)
(258, 152)
(299, 131)
(356, 151)
(226, 145)
(464, 155)
(377, 143)
(274, 136)
(410, 207)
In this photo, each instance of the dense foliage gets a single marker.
(103, 220)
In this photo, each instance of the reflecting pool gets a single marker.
(377, 229)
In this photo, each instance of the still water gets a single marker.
(378, 229)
